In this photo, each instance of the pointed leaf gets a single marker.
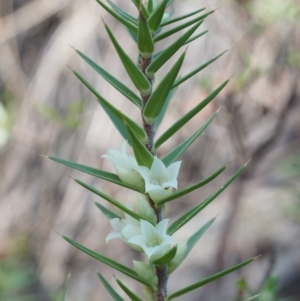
(64, 297)
(136, 75)
(157, 16)
(188, 116)
(128, 292)
(117, 266)
(108, 213)
(113, 81)
(141, 153)
(162, 113)
(115, 115)
(186, 77)
(182, 17)
(166, 258)
(120, 18)
(122, 12)
(169, 52)
(109, 288)
(138, 4)
(208, 280)
(145, 42)
(194, 211)
(196, 37)
(150, 6)
(191, 188)
(111, 200)
(180, 27)
(177, 151)
(159, 97)
(191, 242)
(110, 177)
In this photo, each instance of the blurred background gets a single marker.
(44, 110)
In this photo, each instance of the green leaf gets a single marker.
(145, 41)
(120, 18)
(110, 177)
(177, 151)
(159, 97)
(150, 6)
(108, 213)
(194, 211)
(122, 12)
(191, 188)
(138, 4)
(109, 288)
(196, 37)
(208, 280)
(166, 258)
(111, 200)
(191, 242)
(128, 292)
(113, 81)
(115, 115)
(162, 113)
(157, 16)
(117, 266)
(133, 35)
(136, 75)
(188, 116)
(189, 75)
(182, 17)
(169, 52)
(141, 153)
(64, 297)
(180, 27)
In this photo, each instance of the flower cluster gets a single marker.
(145, 235)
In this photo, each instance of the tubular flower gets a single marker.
(153, 239)
(125, 166)
(159, 180)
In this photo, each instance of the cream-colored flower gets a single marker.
(153, 239)
(125, 166)
(159, 180)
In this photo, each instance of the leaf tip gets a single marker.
(247, 162)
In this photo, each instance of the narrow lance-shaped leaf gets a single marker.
(110, 177)
(141, 153)
(181, 221)
(180, 27)
(157, 16)
(120, 18)
(189, 75)
(158, 98)
(208, 280)
(128, 292)
(111, 200)
(188, 116)
(178, 151)
(64, 297)
(191, 242)
(182, 17)
(145, 42)
(193, 38)
(115, 115)
(162, 113)
(117, 266)
(108, 213)
(138, 4)
(191, 188)
(109, 288)
(169, 51)
(150, 6)
(136, 75)
(122, 12)
(113, 81)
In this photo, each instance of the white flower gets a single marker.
(159, 180)
(153, 239)
(125, 166)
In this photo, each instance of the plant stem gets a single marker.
(161, 272)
